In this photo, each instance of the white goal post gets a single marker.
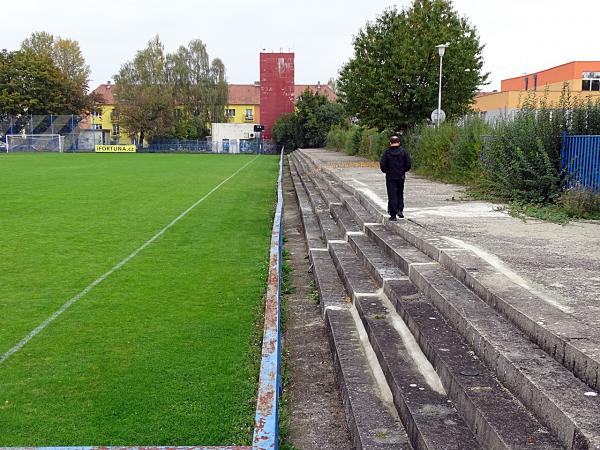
(34, 143)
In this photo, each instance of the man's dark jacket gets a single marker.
(394, 162)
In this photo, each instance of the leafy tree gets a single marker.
(164, 95)
(39, 42)
(145, 101)
(200, 87)
(68, 58)
(30, 83)
(66, 55)
(309, 125)
(333, 84)
(315, 116)
(284, 131)
(392, 80)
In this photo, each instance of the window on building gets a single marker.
(97, 114)
(590, 81)
(116, 130)
(97, 126)
(249, 113)
(230, 112)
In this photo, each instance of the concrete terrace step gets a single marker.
(372, 424)
(428, 416)
(493, 413)
(345, 222)
(427, 413)
(380, 266)
(572, 343)
(481, 399)
(358, 212)
(357, 282)
(401, 252)
(309, 171)
(322, 185)
(552, 392)
(312, 232)
(332, 294)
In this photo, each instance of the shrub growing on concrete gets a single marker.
(353, 140)
(336, 138)
(579, 202)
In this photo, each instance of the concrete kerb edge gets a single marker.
(564, 350)
(266, 422)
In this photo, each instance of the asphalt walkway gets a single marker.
(559, 263)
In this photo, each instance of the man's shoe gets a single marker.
(393, 219)
(401, 215)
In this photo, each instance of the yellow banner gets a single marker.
(115, 148)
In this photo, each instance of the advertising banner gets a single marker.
(115, 149)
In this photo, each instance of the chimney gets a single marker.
(108, 83)
(318, 85)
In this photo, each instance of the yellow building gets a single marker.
(104, 120)
(244, 103)
(582, 77)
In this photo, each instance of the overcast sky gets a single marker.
(520, 35)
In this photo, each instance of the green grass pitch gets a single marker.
(163, 351)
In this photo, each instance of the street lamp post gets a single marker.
(441, 50)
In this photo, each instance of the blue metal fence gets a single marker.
(204, 146)
(581, 161)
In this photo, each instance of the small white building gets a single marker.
(230, 137)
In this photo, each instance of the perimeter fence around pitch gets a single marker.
(78, 135)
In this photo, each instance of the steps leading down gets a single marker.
(460, 372)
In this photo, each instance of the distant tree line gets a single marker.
(47, 75)
(163, 95)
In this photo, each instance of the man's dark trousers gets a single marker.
(395, 192)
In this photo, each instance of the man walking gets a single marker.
(395, 162)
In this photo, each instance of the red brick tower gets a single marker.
(276, 88)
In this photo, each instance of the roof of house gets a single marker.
(239, 94)
(107, 91)
(322, 89)
(244, 94)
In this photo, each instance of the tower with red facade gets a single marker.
(276, 87)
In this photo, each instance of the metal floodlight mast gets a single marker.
(441, 50)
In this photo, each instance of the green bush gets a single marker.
(353, 140)
(521, 160)
(365, 142)
(336, 138)
(284, 131)
(465, 151)
(378, 143)
(579, 202)
(430, 148)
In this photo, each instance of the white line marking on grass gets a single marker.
(116, 267)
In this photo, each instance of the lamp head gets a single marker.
(442, 49)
